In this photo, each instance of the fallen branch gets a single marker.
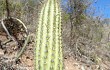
(22, 50)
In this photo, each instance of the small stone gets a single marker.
(1, 52)
(29, 62)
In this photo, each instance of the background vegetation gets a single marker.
(86, 38)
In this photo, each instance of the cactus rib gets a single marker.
(48, 43)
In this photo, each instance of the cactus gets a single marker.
(48, 41)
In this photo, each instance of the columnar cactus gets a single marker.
(48, 43)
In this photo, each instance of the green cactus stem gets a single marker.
(48, 41)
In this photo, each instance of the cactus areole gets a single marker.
(48, 40)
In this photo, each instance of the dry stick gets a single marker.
(6, 30)
(26, 41)
(22, 50)
(7, 9)
(22, 24)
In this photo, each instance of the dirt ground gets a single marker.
(72, 64)
(26, 62)
(9, 52)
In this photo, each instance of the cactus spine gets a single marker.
(48, 42)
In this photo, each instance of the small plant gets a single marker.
(48, 41)
(12, 27)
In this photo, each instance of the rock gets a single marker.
(1, 52)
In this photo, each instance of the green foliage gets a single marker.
(2, 7)
(48, 41)
(66, 17)
(14, 7)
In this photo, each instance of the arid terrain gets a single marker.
(26, 62)
(85, 38)
(8, 53)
